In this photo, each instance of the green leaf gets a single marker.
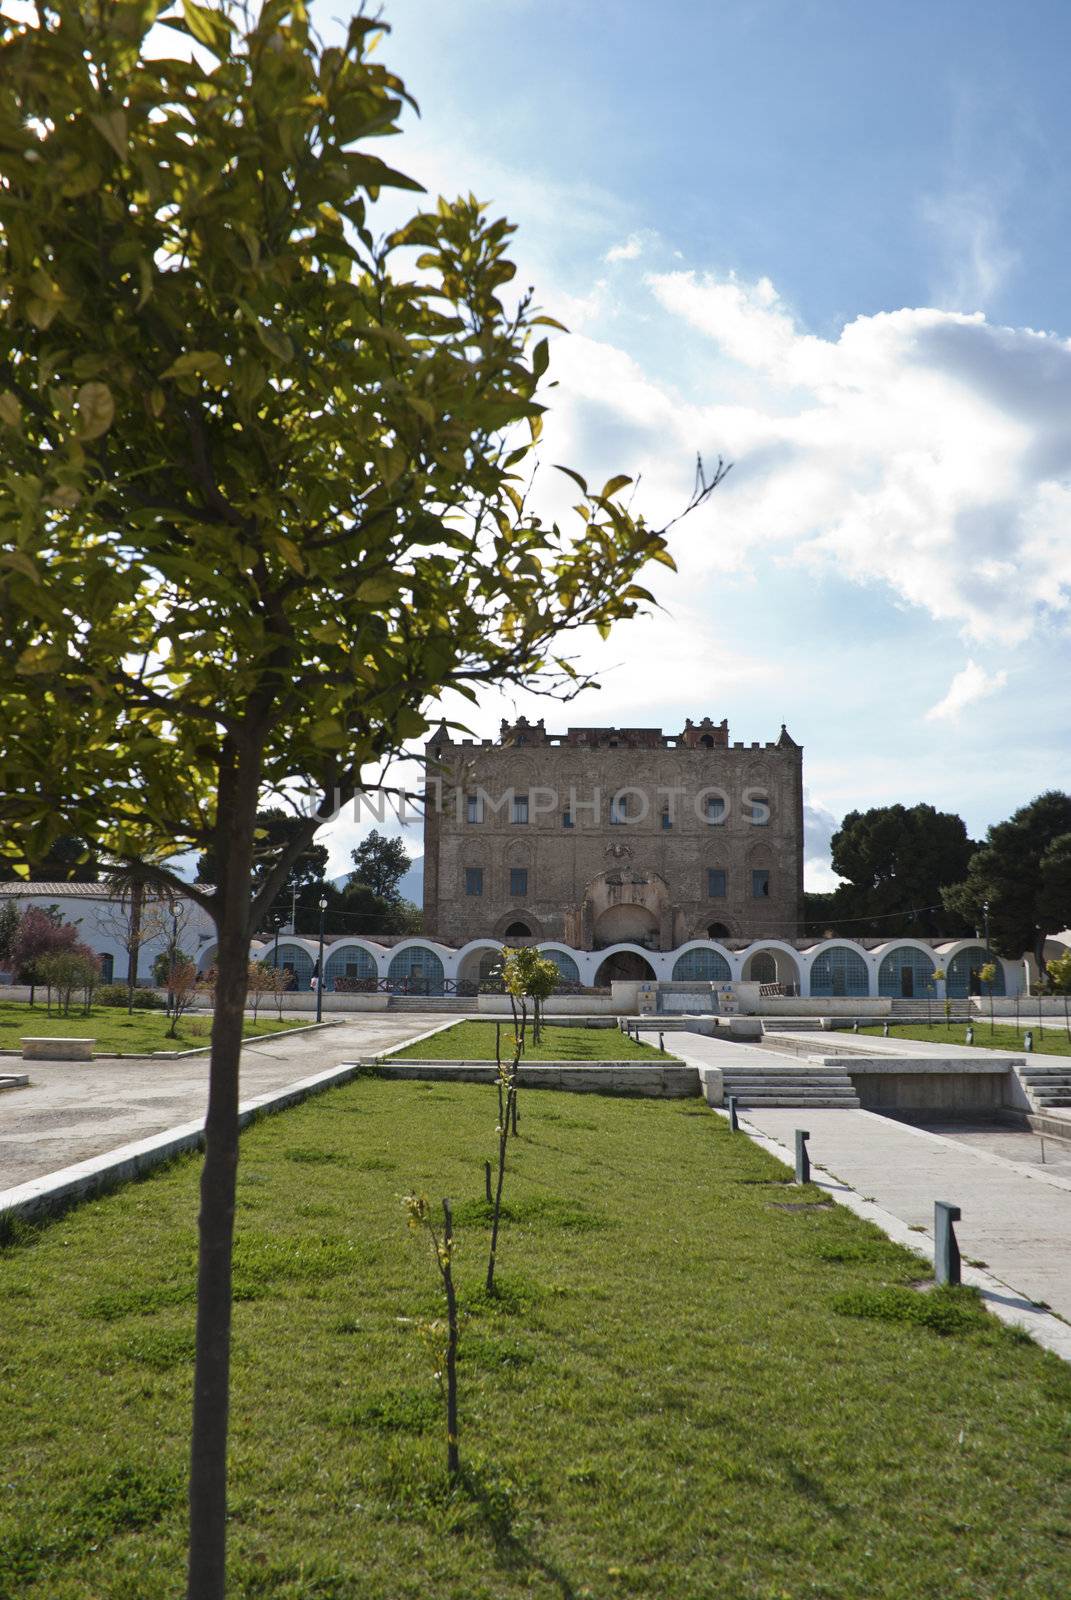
(612, 485)
(19, 561)
(207, 364)
(111, 125)
(96, 410)
(275, 341)
(378, 590)
(207, 26)
(569, 473)
(10, 410)
(540, 358)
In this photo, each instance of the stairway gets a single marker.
(413, 1002)
(1046, 1086)
(791, 1024)
(929, 1011)
(787, 1085)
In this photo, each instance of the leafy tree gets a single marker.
(70, 860)
(9, 923)
(163, 962)
(77, 967)
(380, 863)
(259, 507)
(1023, 874)
(39, 934)
(896, 860)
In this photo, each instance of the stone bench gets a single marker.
(57, 1049)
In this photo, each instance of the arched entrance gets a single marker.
(623, 966)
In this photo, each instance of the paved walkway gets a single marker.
(1016, 1219)
(74, 1110)
(1016, 1216)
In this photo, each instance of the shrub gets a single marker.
(115, 994)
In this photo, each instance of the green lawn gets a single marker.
(1047, 1041)
(687, 1389)
(475, 1041)
(142, 1033)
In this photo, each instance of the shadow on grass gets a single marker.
(494, 1499)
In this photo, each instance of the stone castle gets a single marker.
(599, 836)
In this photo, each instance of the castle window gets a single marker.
(716, 883)
(618, 814)
(667, 820)
(474, 808)
(474, 880)
(567, 819)
(760, 883)
(518, 880)
(707, 742)
(520, 808)
(714, 808)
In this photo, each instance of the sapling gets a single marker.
(446, 1371)
(988, 975)
(507, 1100)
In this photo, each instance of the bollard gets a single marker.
(885, 1030)
(734, 1125)
(855, 1025)
(1028, 1042)
(662, 1042)
(970, 1034)
(946, 1261)
(803, 1160)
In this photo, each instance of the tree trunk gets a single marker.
(208, 1455)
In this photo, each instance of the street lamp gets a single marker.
(278, 920)
(320, 964)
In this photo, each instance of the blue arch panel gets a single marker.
(959, 981)
(839, 971)
(350, 962)
(568, 970)
(294, 957)
(417, 970)
(891, 975)
(701, 966)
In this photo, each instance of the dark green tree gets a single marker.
(380, 863)
(1023, 875)
(69, 860)
(896, 860)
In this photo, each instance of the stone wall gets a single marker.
(591, 881)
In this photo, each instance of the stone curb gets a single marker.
(1004, 1301)
(201, 1050)
(40, 1196)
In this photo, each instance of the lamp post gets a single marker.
(320, 964)
(171, 954)
(275, 952)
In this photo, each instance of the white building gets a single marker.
(100, 918)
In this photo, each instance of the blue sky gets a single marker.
(830, 243)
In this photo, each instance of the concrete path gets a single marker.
(74, 1110)
(1016, 1219)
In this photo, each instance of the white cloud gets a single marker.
(967, 687)
(928, 451)
(977, 261)
(634, 246)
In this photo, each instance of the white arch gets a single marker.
(781, 947)
(654, 958)
(474, 947)
(732, 957)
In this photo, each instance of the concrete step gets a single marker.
(848, 1102)
(791, 1024)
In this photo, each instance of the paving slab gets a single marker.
(71, 1111)
(1016, 1218)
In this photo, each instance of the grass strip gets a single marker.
(475, 1041)
(683, 1390)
